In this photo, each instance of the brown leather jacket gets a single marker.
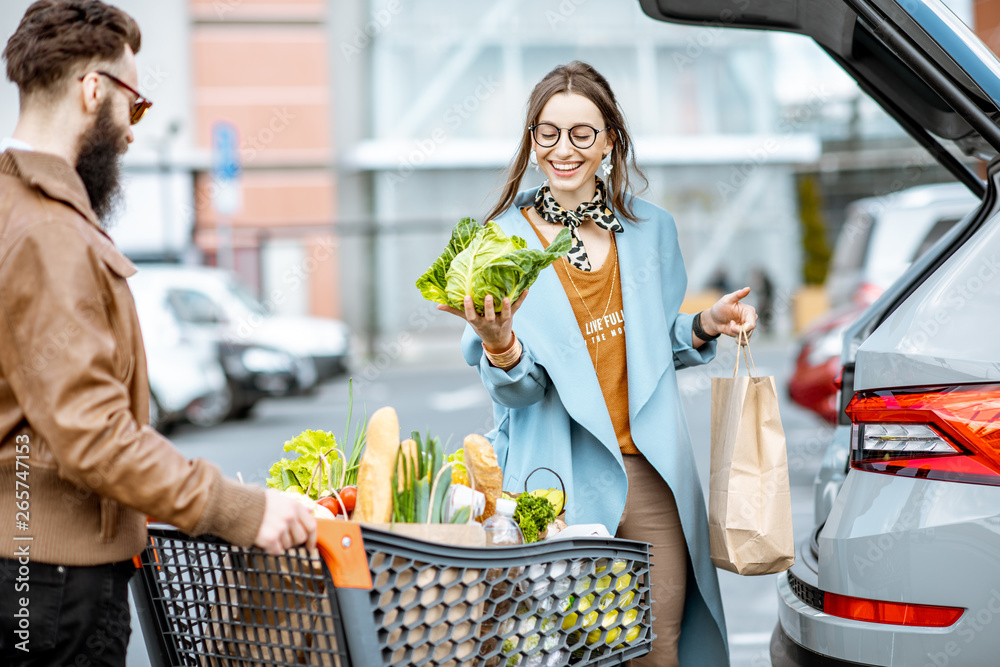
(80, 468)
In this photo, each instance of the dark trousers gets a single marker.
(64, 616)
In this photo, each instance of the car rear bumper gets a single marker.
(786, 653)
(820, 635)
(971, 642)
(910, 552)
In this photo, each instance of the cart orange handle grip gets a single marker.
(137, 559)
(343, 549)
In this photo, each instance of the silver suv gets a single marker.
(904, 565)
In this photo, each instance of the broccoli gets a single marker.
(533, 514)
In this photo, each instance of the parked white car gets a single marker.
(883, 236)
(214, 301)
(186, 378)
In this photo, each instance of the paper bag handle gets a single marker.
(744, 342)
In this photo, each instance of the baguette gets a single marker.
(485, 471)
(375, 470)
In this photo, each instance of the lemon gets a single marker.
(554, 496)
(595, 636)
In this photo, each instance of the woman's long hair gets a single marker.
(582, 79)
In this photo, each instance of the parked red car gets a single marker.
(813, 385)
(880, 239)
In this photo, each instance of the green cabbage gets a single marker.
(481, 260)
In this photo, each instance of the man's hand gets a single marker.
(287, 523)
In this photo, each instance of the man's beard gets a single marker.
(99, 161)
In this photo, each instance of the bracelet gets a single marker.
(698, 331)
(507, 359)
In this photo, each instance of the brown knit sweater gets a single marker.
(596, 298)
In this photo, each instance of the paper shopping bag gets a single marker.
(749, 505)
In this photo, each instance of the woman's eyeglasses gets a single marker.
(547, 135)
(139, 106)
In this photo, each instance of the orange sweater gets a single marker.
(596, 298)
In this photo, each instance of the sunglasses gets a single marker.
(139, 106)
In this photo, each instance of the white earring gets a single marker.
(533, 159)
(606, 165)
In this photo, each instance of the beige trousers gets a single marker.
(651, 516)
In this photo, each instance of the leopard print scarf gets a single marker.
(596, 209)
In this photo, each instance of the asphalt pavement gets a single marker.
(445, 397)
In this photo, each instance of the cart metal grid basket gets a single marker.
(583, 601)
(202, 601)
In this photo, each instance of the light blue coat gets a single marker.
(549, 410)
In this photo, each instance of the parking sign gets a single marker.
(226, 168)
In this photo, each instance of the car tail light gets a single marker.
(867, 294)
(951, 433)
(894, 613)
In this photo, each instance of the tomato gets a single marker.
(349, 494)
(331, 504)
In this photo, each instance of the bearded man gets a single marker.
(80, 468)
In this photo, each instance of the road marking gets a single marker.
(461, 399)
(750, 639)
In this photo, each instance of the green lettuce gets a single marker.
(481, 260)
(310, 446)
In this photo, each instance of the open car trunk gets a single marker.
(948, 103)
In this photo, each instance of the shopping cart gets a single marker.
(371, 597)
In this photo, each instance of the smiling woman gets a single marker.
(587, 386)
